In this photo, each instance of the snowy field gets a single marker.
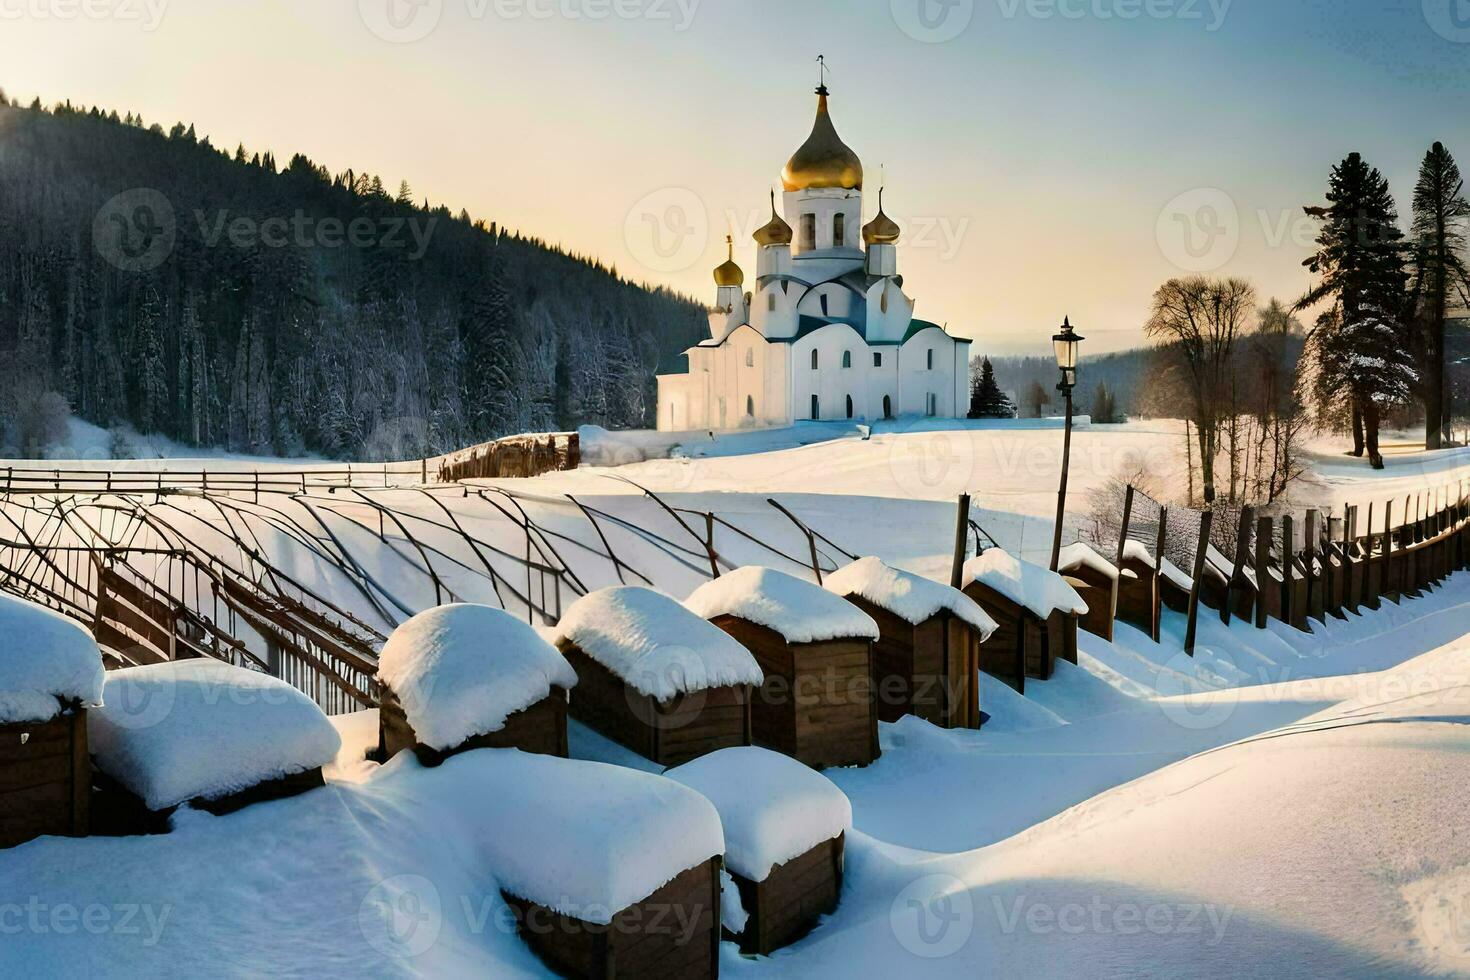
(1281, 804)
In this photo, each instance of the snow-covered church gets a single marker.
(827, 331)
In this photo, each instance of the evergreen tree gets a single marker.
(1362, 353)
(1104, 409)
(1440, 210)
(987, 401)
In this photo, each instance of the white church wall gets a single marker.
(773, 310)
(918, 381)
(831, 382)
(888, 311)
(823, 204)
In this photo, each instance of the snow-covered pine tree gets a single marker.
(1362, 354)
(987, 401)
(1439, 272)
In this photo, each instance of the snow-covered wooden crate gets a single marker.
(817, 702)
(1037, 613)
(785, 827)
(50, 673)
(655, 677)
(1095, 580)
(608, 871)
(927, 656)
(464, 676)
(202, 732)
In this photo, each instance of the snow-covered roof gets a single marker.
(1083, 555)
(1177, 576)
(175, 731)
(912, 598)
(44, 656)
(654, 643)
(584, 838)
(1139, 552)
(461, 670)
(1038, 589)
(800, 611)
(773, 808)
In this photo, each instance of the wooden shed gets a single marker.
(608, 871)
(655, 677)
(1037, 612)
(817, 701)
(50, 673)
(927, 656)
(202, 732)
(1139, 599)
(1095, 580)
(461, 677)
(785, 828)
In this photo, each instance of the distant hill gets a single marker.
(223, 302)
(1121, 372)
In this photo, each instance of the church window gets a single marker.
(930, 356)
(887, 407)
(839, 230)
(847, 358)
(808, 231)
(749, 406)
(771, 302)
(816, 408)
(883, 302)
(814, 360)
(750, 357)
(823, 298)
(849, 406)
(932, 405)
(877, 358)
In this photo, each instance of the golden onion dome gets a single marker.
(728, 273)
(823, 160)
(776, 231)
(882, 230)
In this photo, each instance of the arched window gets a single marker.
(849, 406)
(816, 408)
(883, 302)
(933, 405)
(887, 407)
(823, 299)
(814, 359)
(847, 358)
(771, 302)
(750, 357)
(808, 231)
(749, 407)
(930, 355)
(839, 230)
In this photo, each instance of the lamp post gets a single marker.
(1066, 344)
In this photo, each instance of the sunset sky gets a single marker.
(1046, 157)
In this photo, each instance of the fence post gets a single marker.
(1158, 601)
(1349, 536)
(1388, 590)
(1242, 555)
(1264, 532)
(1311, 540)
(1206, 520)
(1288, 559)
(961, 537)
(1122, 541)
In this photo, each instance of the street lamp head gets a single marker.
(1066, 344)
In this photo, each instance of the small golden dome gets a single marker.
(823, 160)
(728, 273)
(882, 230)
(776, 231)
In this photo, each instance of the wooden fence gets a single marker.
(1288, 568)
(515, 457)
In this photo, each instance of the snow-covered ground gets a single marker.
(1281, 804)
